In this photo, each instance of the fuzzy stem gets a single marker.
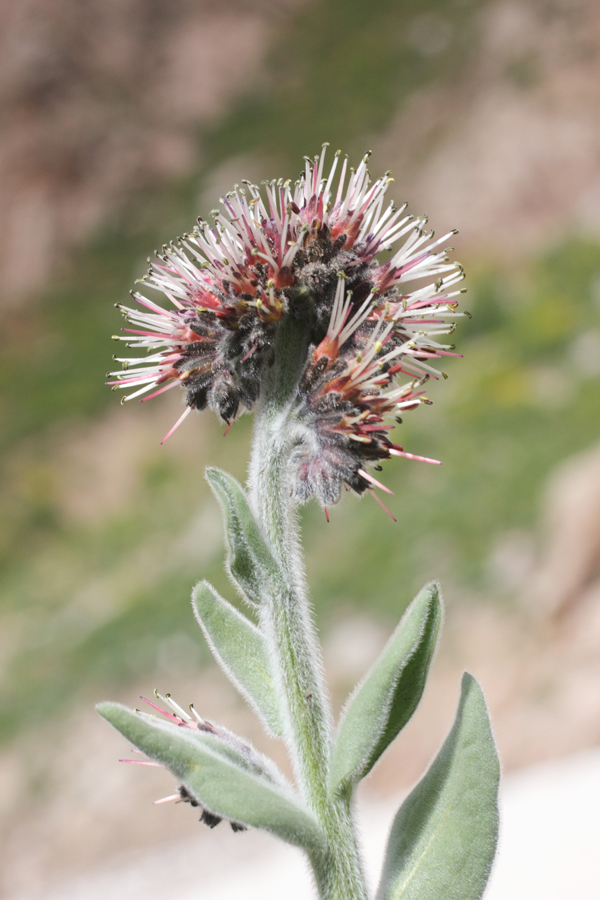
(287, 618)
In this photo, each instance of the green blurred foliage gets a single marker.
(340, 71)
(92, 606)
(524, 397)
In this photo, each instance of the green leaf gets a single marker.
(444, 836)
(249, 560)
(239, 648)
(218, 777)
(384, 701)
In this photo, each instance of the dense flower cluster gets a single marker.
(348, 391)
(311, 250)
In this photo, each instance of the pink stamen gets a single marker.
(159, 709)
(410, 264)
(160, 391)
(154, 334)
(369, 198)
(383, 506)
(174, 271)
(418, 304)
(375, 482)
(127, 381)
(249, 353)
(326, 511)
(434, 462)
(176, 425)
(399, 368)
(226, 432)
(153, 306)
(413, 370)
(141, 762)
(174, 797)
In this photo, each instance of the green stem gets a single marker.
(287, 619)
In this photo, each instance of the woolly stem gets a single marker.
(287, 618)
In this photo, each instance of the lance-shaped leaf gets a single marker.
(249, 560)
(384, 701)
(444, 836)
(218, 777)
(239, 648)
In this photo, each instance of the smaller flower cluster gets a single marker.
(348, 392)
(229, 742)
(270, 255)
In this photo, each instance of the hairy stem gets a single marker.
(287, 617)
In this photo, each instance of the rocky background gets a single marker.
(121, 121)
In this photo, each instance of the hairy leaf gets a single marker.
(384, 701)
(218, 777)
(239, 648)
(249, 560)
(444, 836)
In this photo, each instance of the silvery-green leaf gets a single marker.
(444, 836)
(218, 777)
(386, 698)
(250, 562)
(239, 648)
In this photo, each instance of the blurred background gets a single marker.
(121, 121)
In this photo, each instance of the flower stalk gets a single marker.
(287, 618)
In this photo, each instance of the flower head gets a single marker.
(280, 253)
